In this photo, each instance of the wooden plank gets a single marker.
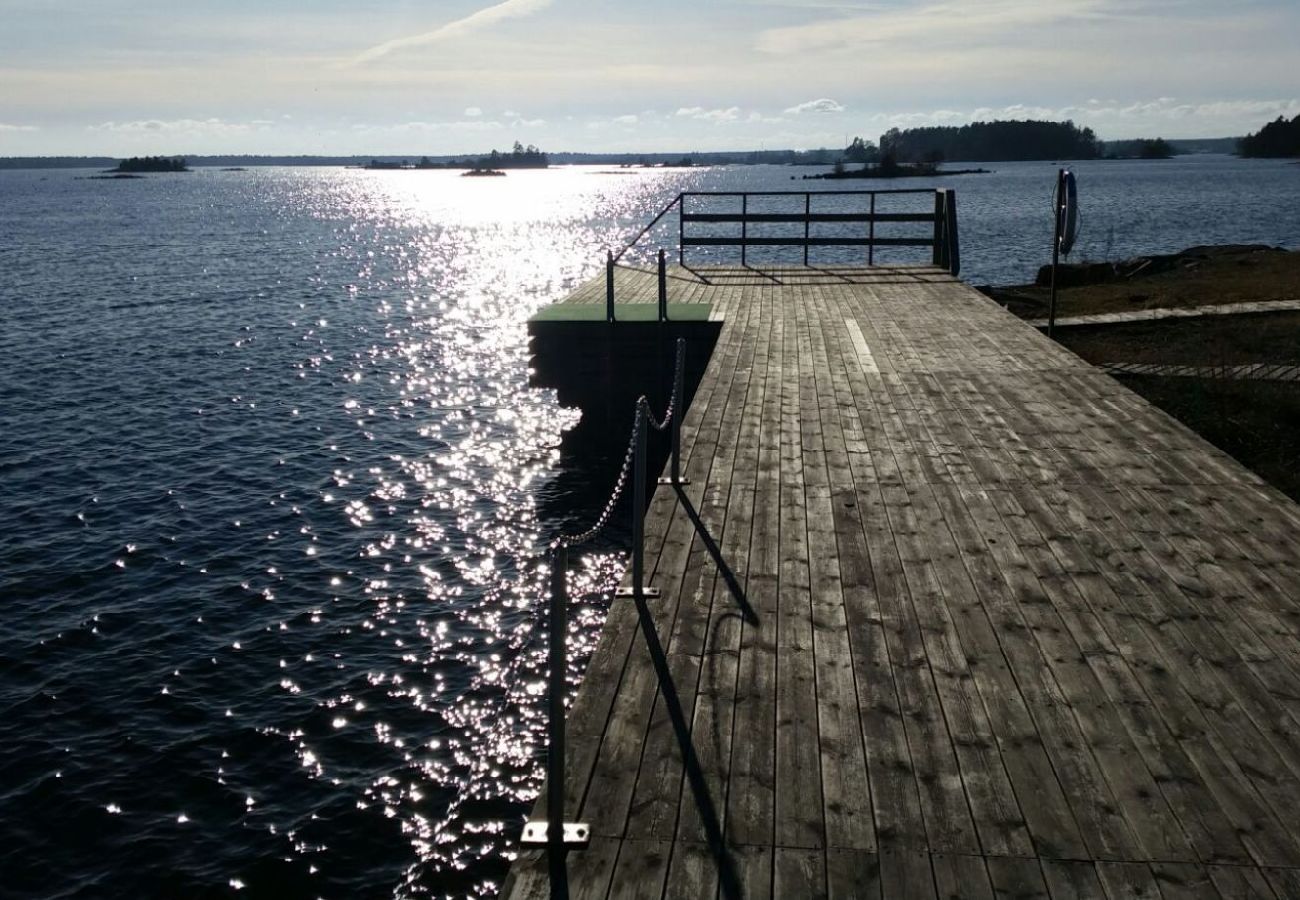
(1184, 881)
(961, 877)
(1128, 881)
(754, 865)
(641, 869)
(852, 874)
(799, 808)
(1241, 883)
(659, 791)
(799, 873)
(750, 817)
(1070, 880)
(845, 788)
(906, 873)
(1018, 878)
(711, 730)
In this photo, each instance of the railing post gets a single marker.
(744, 226)
(807, 217)
(663, 288)
(681, 229)
(951, 250)
(609, 286)
(557, 677)
(638, 588)
(871, 234)
(1057, 215)
(679, 411)
(555, 834)
(936, 255)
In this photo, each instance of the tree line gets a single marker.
(1277, 138)
(989, 142)
(153, 164)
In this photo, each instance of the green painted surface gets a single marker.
(623, 312)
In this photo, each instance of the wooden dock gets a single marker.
(998, 627)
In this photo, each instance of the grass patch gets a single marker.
(1230, 340)
(1255, 422)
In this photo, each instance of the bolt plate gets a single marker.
(651, 592)
(666, 480)
(577, 835)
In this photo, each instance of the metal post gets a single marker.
(936, 254)
(609, 286)
(681, 229)
(807, 214)
(638, 588)
(555, 834)
(952, 251)
(871, 234)
(1058, 207)
(663, 289)
(744, 226)
(679, 411)
(558, 647)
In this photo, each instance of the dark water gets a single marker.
(275, 493)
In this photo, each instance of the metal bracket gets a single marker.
(668, 480)
(577, 835)
(651, 593)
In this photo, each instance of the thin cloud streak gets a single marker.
(484, 18)
(924, 23)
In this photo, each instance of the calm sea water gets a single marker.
(275, 492)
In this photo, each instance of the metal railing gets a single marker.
(555, 834)
(697, 208)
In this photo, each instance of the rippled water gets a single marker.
(275, 489)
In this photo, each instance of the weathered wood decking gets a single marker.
(1006, 629)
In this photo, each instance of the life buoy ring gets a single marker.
(1067, 206)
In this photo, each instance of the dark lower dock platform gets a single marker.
(998, 627)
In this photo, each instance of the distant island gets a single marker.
(481, 173)
(891, 168)
(997, 141)
(994, 141)
(519, 157)
(1278, 138)
(1142, 148)
(137, 164)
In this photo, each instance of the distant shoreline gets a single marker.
(772, 158)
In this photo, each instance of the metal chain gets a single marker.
(573, 540)
(673, 401)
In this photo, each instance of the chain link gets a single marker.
(573, 540)
(642, 404)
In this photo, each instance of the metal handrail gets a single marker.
(555, 834)
(943, 240)
(644, 231)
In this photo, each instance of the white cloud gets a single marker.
(730, 114)
(924, 24)
(186, 127)
(824, 105)
(630, 119)
(5, 126)
(484, 18)
(466, 125)
(473, 112)
(1114, 119)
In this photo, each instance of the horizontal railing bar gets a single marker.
(808, 217)
(689, 241)
(802, 193)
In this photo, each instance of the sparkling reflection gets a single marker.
(447, 451)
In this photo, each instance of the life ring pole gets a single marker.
(1058, 208)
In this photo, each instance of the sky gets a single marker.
(123, 77)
